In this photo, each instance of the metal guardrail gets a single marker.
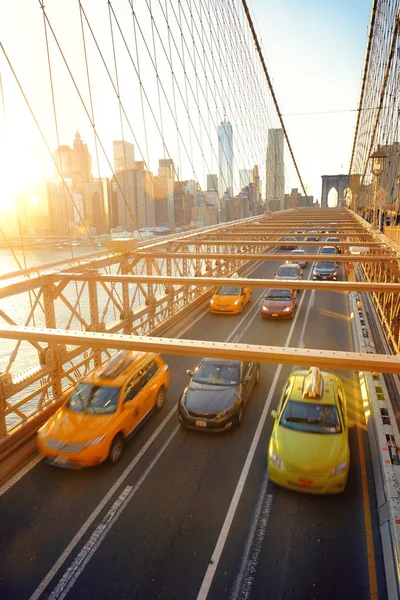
(384, 439)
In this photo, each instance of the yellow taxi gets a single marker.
(309, 448)
(230, 299)
(103, 409)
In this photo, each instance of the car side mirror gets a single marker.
(274, 274)
(351, 423)
(189, 372)
(274, 414)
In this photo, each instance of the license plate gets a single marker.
(61, 462)
(324, 277)
(222, 308)
(201, 423)
(275, 315)
(306, 483)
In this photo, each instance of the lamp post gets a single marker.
(378, 158)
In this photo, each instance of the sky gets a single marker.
(314, 51)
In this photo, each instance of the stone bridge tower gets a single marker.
(339, 182)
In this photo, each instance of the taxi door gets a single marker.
(245, 292)
(150, 385)
(133, 403)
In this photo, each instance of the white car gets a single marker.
(297, 257)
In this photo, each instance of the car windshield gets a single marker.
(94, 399)
(332, 239)
(217, 373)
(287, 272)
(325, 265)
(297, 252)
(278, 294)
(289, 239)
(312, 418)
(328, 251)
(228, 290)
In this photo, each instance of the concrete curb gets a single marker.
(384, 439)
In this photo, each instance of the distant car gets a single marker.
(312, 236)
(279, 303)
(289, 271)
(218, 391)
(289, 238)
(297, 257)
(103, 409)
(325, 270)
(328, 250)
(230, 298)
(309, 446)
(333, 241)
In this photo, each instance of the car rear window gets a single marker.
(325, 265)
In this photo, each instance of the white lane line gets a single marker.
(58, 564)
(75, 569)
(15, 478)
(74, 542)
(245, 577)
(216, 556)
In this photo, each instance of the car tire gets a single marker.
(240, 415)
(257, 379)
(241, 308)
(116, 449)
(160, 399)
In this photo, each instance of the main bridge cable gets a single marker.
(251, 25)
(384, 85)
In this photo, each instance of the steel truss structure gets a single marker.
(144, 290)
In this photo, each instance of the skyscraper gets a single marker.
(124, 155)
(225, 157)
(275, 182)
(245, 178)
(74, 163)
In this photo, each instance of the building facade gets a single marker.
(123, 155)
(275, 170)
(225, 157)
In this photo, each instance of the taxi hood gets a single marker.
(70, 426)
(310, 451)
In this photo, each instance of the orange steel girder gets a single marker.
(326, 359)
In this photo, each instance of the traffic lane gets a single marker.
(42, 511)
(48, 505)
(332, 528)
(309, 540)
(189, 508)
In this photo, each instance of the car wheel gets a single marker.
(116, 449)
(160, 398)
(241, 308)
(257, 379)
(240, 416)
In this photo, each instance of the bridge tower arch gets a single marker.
(339, 183)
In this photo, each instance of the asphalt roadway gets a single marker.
(190, 515)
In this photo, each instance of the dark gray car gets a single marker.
(217, 394)
(325, 270)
